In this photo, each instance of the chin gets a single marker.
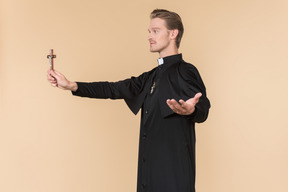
(153, 50)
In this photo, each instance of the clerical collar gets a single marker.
(160, 61)
(170, 59)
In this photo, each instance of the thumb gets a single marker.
(197, 97)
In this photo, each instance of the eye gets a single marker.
(155, 31)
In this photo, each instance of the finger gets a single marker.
(49, 77)
(54, 74)
(170, 104)
(176, 106)
(49, 72)
(184, 105)
(54, 84)
(52, 80)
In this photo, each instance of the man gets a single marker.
(167, 135)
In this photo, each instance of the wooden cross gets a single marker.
(51, 57)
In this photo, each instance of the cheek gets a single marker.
(164, 40)
(164, 37)
(160, 38)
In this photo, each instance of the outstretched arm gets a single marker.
(126, 89)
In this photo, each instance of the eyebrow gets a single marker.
(154, 28)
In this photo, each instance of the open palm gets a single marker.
(184, 107)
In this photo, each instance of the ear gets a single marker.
(174, 34)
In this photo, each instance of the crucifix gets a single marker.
(51, 57)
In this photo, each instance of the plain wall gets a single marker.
(53, 141)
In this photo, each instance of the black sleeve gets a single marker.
(196, 85)
(125, 89)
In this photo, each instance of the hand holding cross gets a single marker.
(56, 79)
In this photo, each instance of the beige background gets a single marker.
(51, 141)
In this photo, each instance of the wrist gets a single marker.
(73, 86)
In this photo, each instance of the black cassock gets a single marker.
(167, 140)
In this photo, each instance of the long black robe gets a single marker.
(166, 160)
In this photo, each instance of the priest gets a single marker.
(172, 98)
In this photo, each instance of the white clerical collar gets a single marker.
(160, 61)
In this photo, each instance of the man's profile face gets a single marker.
(158, 35)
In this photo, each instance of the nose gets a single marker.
(149, 37)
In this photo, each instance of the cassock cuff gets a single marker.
(76, 93)
(193, 115)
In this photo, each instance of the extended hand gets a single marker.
(185, 107)
(59, 80)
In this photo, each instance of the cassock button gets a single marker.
(144, 135)
(143, 185)
(144, 159)
(146, 112)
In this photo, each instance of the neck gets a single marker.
(166, 53)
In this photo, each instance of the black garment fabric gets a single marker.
(166, 161)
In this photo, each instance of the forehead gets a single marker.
(157, 23)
